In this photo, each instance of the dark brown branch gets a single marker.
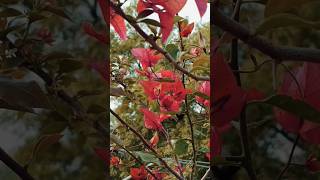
(284, 53)
(283, 171)
(14, 166)
(145, 142)
(134, 24)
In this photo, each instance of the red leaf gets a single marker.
(154, 140)
(101, 68)
(229, 98)
(138, 173)
(152, 120)
(118, 24)
(313, 164)
(205, 89)
(307, 77)
(104, 9)
(115, 20)
(186, 29)
(103, 153)
(147, 57)
(202, 6)
(100, 36)
(170, 9)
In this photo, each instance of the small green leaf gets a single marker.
(151, 22)
(173, 50)
(181, 147)
(285, 20)
(202, 95)
(9, 12)
(22, 96)
(177, 19)
(147, 157)
(144, 13)
(294, 106)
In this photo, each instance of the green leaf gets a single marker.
(45, 142)
(9, 12)
(151, 22)
(201, 63)
(285, 20)
(57, 11)
(173, 50)
(281, 6)
(294, 106)
(181, 147)
(57, 56)
(144, 13)
(22, 96)
(177, 19)
(147, 157)
(69, 65)
(35, 16)
(202, 95)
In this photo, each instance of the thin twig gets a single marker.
(137, 159)
(194, 150)
(145, 142)
(283, 171)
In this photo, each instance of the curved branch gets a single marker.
(14, 166)
(284, 53)
(120, 12)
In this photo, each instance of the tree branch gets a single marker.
(284, 53)
(14, 166)
(137, 159)
(144, 141)
(283, 171)
(134, 24)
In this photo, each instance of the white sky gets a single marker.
(189, 11)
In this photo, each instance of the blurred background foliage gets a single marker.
(48, 35)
